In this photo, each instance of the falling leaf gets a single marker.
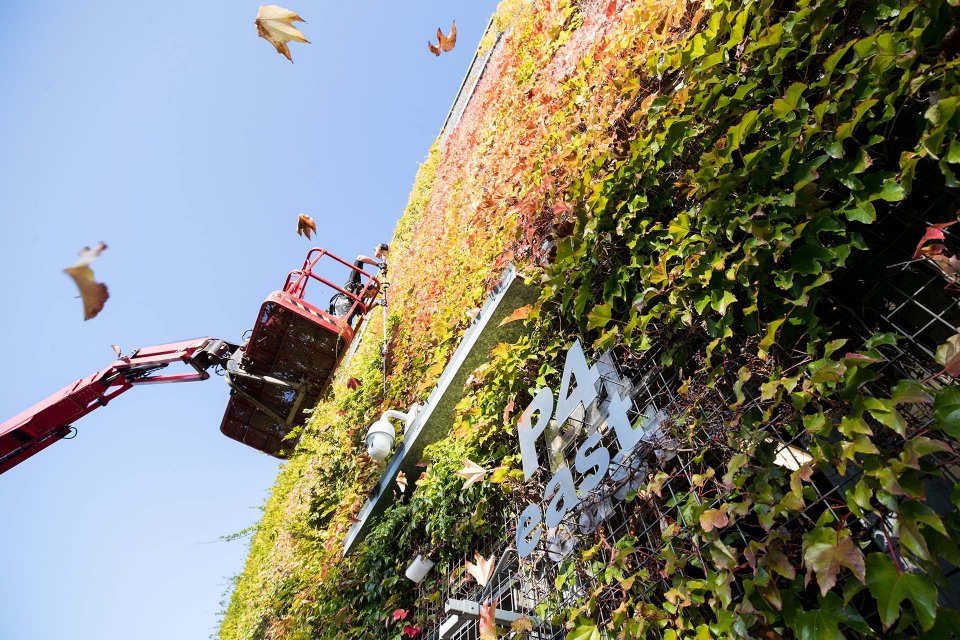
(274, 24)
(93, 293)
(488, 626)
(402, 481)
(117, 350)
(306, 225)
(447, 43)
(482, 571)
(411, 630)
(714, 519)
(948, 355)
(354, 383)
(520, 314)
(399, 614)
(471, 472)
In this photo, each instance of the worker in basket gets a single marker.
(340, 304)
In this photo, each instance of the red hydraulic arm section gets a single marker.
(48, 421)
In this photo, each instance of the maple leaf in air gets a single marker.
(275, 25)
(471, 472)
(447, 43)
(482, 570)
(94, 294)
(306, 225)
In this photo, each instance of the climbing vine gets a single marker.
(693, 180)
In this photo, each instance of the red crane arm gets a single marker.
(50, 420)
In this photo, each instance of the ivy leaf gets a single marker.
(471, 472)
(909, 392)
(488, 627)
(885, 412)
(523, 623)
(714, 519)
(933, 235)
(520, 314)
(482, 571)
(946, 409)
(948, 355)
(584, 629)
(401, 481)
(598, 317)
(823, 623)
(400, 614)
(890, 587)
(826, 550)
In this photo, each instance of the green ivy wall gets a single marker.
(692, 180)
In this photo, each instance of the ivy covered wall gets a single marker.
(698, 187)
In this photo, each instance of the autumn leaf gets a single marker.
(306, 225)
(411, 630)
(482, 571)
(354, 383)
(399, 614)
(826, 550)
(933, 235)
(94, 294)
(488, 626)
(520, 314)
(447, 43)
(507, 411)
(948, 355)
(714, 519)
(471, 472)
(523, 623)
(402, 481)
(275, 25)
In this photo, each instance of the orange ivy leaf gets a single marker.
(520, 314)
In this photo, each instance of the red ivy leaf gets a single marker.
(400, 614)
(411, 630)
(934, 233)
(353, 383)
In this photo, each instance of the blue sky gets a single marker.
(173, 133)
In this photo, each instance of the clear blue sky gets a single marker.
(172, 132)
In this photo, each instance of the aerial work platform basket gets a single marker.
(292, 353)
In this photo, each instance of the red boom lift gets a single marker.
(274, 376)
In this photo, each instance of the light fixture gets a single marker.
(419, 568)
(382, 434)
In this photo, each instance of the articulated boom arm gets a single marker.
(50, 420)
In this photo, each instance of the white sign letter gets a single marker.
(542, 404)
(587, 377)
